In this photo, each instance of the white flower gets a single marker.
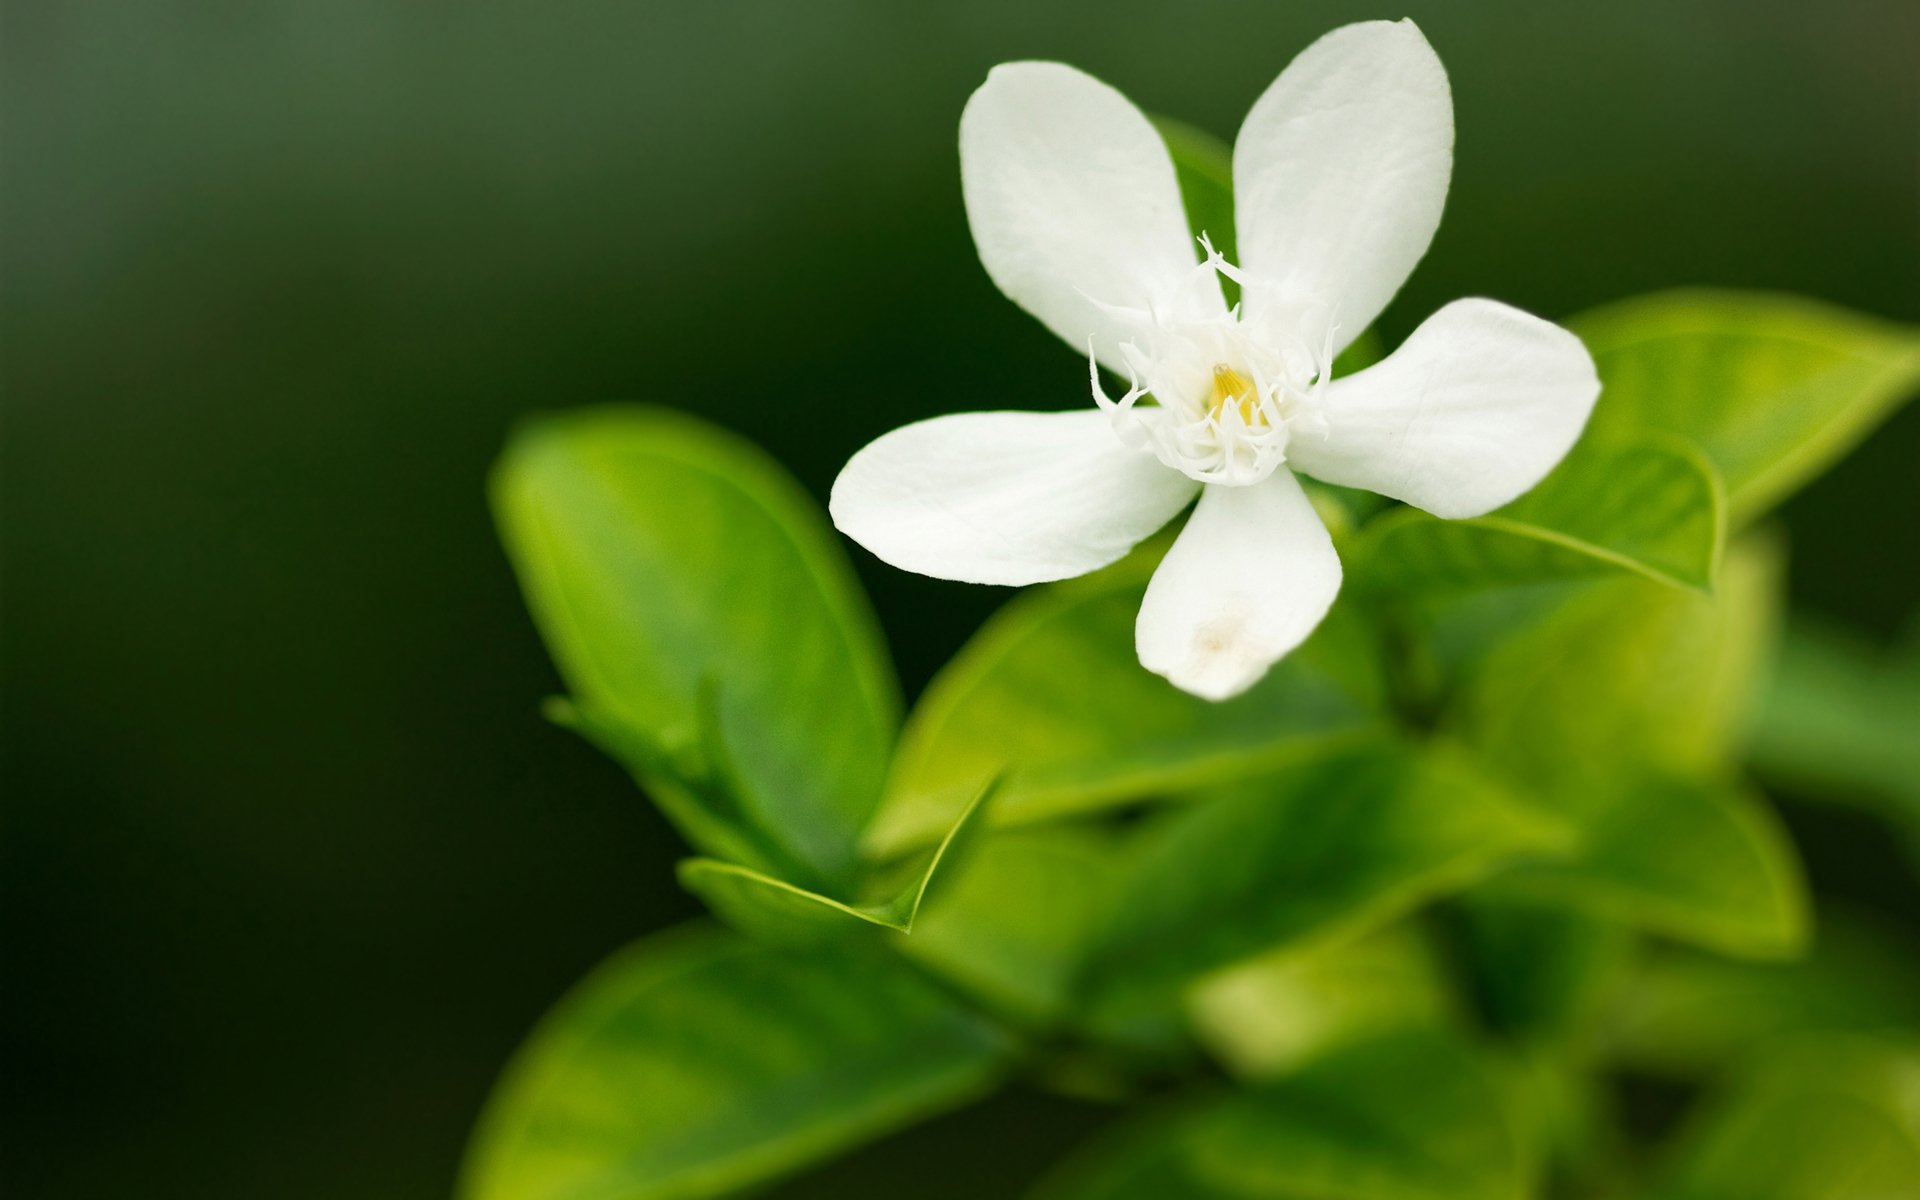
(1339, 172)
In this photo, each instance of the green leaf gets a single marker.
(1319, 852)
(1268, 1015)
(1651, 507)
(696, 1063)
(775, 910)
(1688, 1013)
(1624, 675)
(1696, 860)
(1050, 690)
(1827, 1118)
(1417, 1115)
(1774, 389)
(1541, 974)
(1839, 721)
(699, 608)
(1619, 712)
(1012, 925)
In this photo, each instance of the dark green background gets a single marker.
(290, 862)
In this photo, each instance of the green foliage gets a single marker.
(1688, 1014)
(698, 606)
(1651, 506)
(696, 1063)
(1050, 692)
(1772, 389)
(1535, 718)
(1820, 1118)
(1838, 724)
(1015, 925)
(775, 910)
(1267, 1015)
(1415, 1115)
(1317, 852)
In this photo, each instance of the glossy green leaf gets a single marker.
(696, 1063)
(1686, 1013)
(1773, 389)
(775, 910)
(1268, 1015)
(1050, 691)
(1417, 1115)
(1839, 723)
(1624, 675)
(1651, 507)
(1013, 923)
(1318, 852)
(1828, 1118)
(1618, 712)
(699, 608)
(1693, 859)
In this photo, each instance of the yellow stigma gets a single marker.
(1231, 387)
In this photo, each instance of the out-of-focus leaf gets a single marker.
(1774, 389)
(1651, 506)
(1416, 1115)
(1618, 712)
(692, 594)
(1824, 1118)
(1012, 924)
(1541, 973)
(1625, 675)
(1268, 1015)
(775, 910)
(1841, 722)
(696, 1063)
(1687, 1013)
(1693, 859)
(1319, 852)
(1051, 691)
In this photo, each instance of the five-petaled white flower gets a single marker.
(1339, 173)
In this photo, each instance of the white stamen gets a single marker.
(1177, 360)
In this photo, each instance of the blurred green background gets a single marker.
(290, 862)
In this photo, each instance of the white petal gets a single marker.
(1472, 410)
(1339, 175)
(1246, 581)
(1004, 497)
(1073, 201)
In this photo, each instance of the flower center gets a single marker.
(1230, 387)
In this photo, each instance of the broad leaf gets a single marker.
(1686, 1014)
(1828, 1118)
(1318, 852)
(1651, 506)
(1053, 694)
(1689, 858)
(775, 910)
(1417, 1115)
(1268, 1015)
(1774, 389)
(1051, 691)
(1839, 723)
(1617, 711)
(696, 1063)
(1013, 924)
(1625, 674)
(699, 609)
(1541, 974)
